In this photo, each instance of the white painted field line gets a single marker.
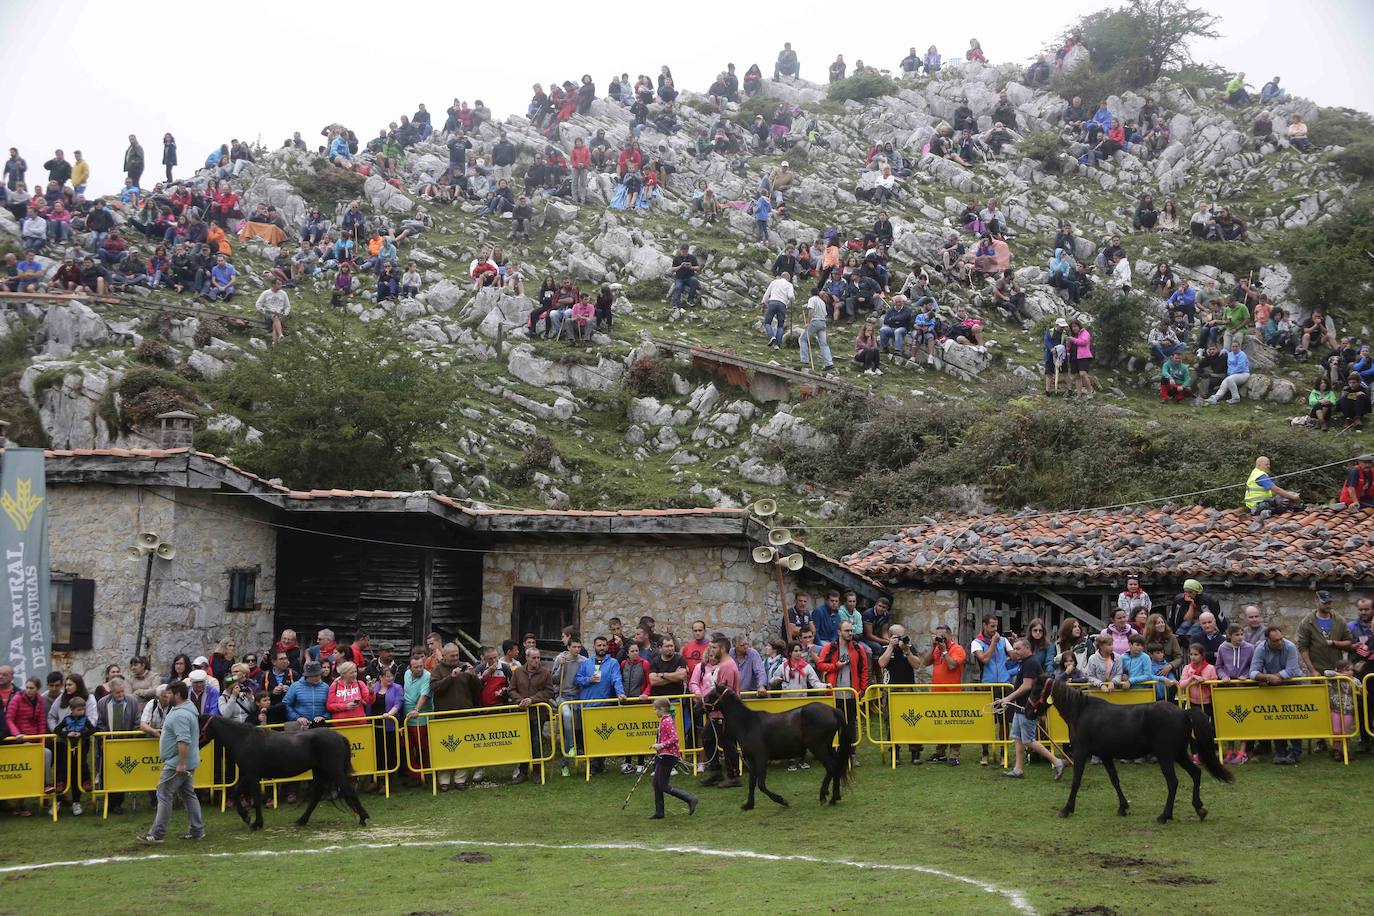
(1014, 897)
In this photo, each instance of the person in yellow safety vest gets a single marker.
(1263, 495)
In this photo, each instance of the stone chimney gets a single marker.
(175, 429)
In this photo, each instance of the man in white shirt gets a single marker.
(817, 311)
(776, 300)
(1121, 273)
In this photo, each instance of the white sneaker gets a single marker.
(639, 769)
(626, 768)
(76, 809)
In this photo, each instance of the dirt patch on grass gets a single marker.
(1098, 910)
(1156, 872)
(1184, 880)
(471, 858)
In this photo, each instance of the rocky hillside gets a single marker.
(619, 424)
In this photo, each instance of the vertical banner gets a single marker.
(26, 625)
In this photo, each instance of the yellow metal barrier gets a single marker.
(1297, 709)
(611, 728)
(934, 714)
(132, 762)
(23, 769)
(1368, 684)
(464, 739)
(1140, 692)
(362, 748)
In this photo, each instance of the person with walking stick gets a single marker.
(667, 754)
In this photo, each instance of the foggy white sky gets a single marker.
(84, 75)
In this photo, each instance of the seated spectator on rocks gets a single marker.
(67, 278)
(1278, 330)
(866, 352)
(1317, 330)
(1271, 93)
(925, 327)
(1200, 223)
(1297, 133)
(1061, 274)
(605, 300)
(500, 200)
(388, 283)
(1235, 91)
(581, 319)
(1008, 294)
(753, 80)
(1038, 73)
(1353, 403)
(685, 267)
(343, 286)
(221, 283)
(1183, 299)
(1156, 136)
(1237, 373)
(1321, 401)
(953, 260)
(28, 276)
(967, 329)
(1162, 280)
(1175, 379)
(1211, 370)
(1163, 343)
(1146, 216)
(1075, 116)
(1263, 127)
(898, 322)
(1226, 228)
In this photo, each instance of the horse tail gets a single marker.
(846, 749)
(1206, 738)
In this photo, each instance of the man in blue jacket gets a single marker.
(825, 619)
(305, 701)
(1276, 661)
(599, 679)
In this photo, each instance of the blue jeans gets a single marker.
(886, 334)
(556, 319)
(216, 293)
(761, 230)
(59, 231)
(1162, 354)
(691, 286)
(776, 312)
(817, 330)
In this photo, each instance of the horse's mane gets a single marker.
(1069, 700)
(730, 696)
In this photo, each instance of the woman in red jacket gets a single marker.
(27, 718)
(349, 698)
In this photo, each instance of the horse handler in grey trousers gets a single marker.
(180, 750)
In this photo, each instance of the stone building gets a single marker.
(1024, 566)
(253, 557)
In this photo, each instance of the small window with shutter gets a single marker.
(73, 613)
(243, 589)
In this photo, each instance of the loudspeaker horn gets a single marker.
(764, 554)
(764, 508)
(136, 553)
(166, 551)
(779, 536)
(149, 539)
(793, 562)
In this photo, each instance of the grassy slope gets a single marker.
(1264, 834)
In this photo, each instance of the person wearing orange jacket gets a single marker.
(846, 663)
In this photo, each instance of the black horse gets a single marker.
(261, 753)
(1112, 732)
(764, 736)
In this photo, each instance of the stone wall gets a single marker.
(92, 526)
(674, 584)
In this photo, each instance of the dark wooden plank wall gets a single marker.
(397, 594)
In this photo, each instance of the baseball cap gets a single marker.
(387, 647)
(201, 662)
(313, 668)
(1325, 597)
(196, 676)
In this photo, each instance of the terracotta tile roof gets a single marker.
(1174, 543)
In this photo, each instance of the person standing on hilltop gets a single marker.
(133, 160)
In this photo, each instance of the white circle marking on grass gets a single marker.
(1015, 897)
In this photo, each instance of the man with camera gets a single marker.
(900, 663)
(946, 663)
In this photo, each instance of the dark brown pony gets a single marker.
(262, 753)
(1111, 732)
(764, 736)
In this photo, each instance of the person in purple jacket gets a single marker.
(1233, 664)
(752, 676)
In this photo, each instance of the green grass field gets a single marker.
(955, 840)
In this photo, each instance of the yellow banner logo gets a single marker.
(1295, 711)
(464, 742)
(940, 718)
(22, 505)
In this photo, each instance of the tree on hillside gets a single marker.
(1138, 42)
(339, 408)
